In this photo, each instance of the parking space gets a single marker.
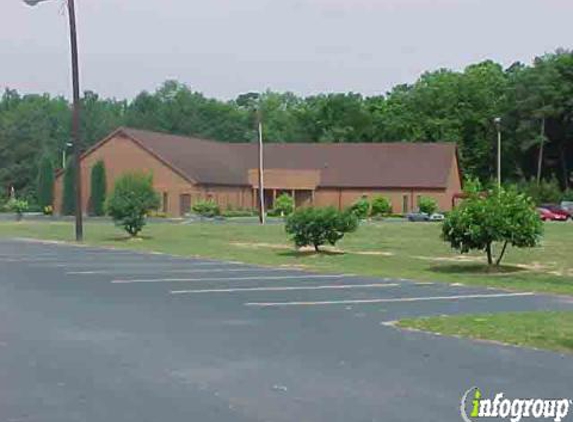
(95, 333)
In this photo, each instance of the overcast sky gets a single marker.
(226, 47)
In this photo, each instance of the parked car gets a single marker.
(417, 216)
(557, 209)
(567, 206)
(548, 215)
(437, 217)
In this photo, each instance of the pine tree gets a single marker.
(98, 188)
(69, 201)
(45, 183)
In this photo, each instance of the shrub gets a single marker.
(208, 208)
(568, 195)
(17, 206)
(428, 205)
(380, 207)
(157, 214)
(45, 183)
(284, 205)
(238, 213)
(504, 216)
(98, 189)
(361, 208)
(318, 226)
(548, 191)
(132, 199)
(69, 199)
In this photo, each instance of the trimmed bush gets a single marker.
(501, 216)
(230, 213)
(45, 183)
(69, 199)
(98, 189)
(361, 208)
(428, 205)
(380, 207)
(208, 208)
(132, 199)
(17, 206)
(284, 205)
(319, 226)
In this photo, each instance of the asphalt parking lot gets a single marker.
(91, 334)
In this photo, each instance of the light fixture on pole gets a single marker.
(64, 159)
(497, 122)
(75, 112)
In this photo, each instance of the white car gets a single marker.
(437, 217)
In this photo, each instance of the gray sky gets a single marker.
(226, 47)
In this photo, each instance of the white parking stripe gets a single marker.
(286, 288)
(394, 300)
(282, 277)
(189, 271)
(136, 264)
(24, 259)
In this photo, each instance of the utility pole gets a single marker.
(75, 113)
(261, 169)
(497, 121)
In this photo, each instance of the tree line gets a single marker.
(535, 103)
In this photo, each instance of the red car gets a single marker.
(557, 209)
(548, 215)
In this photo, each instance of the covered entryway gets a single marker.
(299, 184)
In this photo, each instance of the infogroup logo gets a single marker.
(474, 407)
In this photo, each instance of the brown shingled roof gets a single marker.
(380, 165)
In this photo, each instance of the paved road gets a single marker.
(97, 335)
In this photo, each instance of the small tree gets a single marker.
(132, 198)
(208, 208)
(69, 199)
(380, 206)
(318, 226)
(45, 184)
(98, 189)
(428, 205)
(504, 216)
(361, 208)
(284, 205)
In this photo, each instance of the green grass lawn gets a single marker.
(402, 250)
(543, 330)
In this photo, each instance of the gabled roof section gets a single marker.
(351, 165)
(208, 162)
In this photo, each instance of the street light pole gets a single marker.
(261, 170)
(76, 125)
(497, 121)
(75, 113)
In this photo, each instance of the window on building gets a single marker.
(184, 204)
(418, 200)
(165, 202)
(405, 207)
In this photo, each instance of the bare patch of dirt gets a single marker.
(253, 245)
(373, 253)
(460, 258)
